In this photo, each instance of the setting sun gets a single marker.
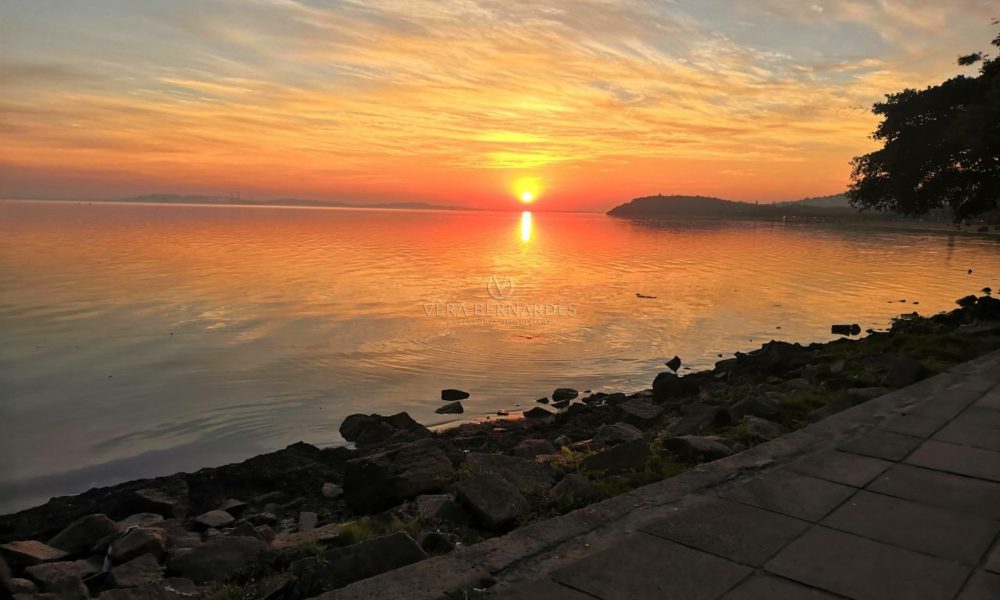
(527, 196)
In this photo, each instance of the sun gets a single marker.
(527, 196)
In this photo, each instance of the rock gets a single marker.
(69, 588)
(759, 428)
(137, 542)
(837, 366)
(853, 329)
(29, 552)
(700, 418)
(308, 520)
(573, 489)
(370, 430)
(905, 371)
(530, 448)
(139, 520)
(269, 497)
(341, 566)
(755, 405)
(138, 571)
(378, 481)
(219, 559)
(332, 491)
(866, 393)
(452, 408)
(966, 301)
(176, 535)
(81, 535)
(496, 503)
(167, 497)
(522, 473)
(669, 385)
(17, 585)
(537, 413)
(51, 575)
(705, 448)
(564, 394)
(214, 518)
(262, 518)
(503, 412)
(612, 434)
(639, 412)
(434, 543)
(233, 506)
(441, 508)
(630, 456)
(542, 401)
(172, 588)
(560, 404)
(210, 533)
(674, 363)
(451, 395)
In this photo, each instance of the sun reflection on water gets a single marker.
(526, 226)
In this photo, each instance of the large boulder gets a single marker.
(564, 394)
(372, 430)
(437, 508)
(450, 395)
(758, 406)
(667, 386)
(214, 518)
(639, 412)
(136, 572)
(172, 588)
(81, 535)
(167, 497)
(138, 541)
(763, 429)
(573, 489)
(523, 474)
(693, 447)
(532, 447)
(630, 456)
(341, 566)
(52, 575)
(29, 552)
(452, 408)
(495, 502)
(381, 480)
(699, 418)
(219, 559)
(612, 434)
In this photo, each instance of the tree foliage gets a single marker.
(941, 147)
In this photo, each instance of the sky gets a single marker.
(582, 103)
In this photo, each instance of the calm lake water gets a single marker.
(141, 340)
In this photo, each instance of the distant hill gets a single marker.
(217, 200)
(652, 207)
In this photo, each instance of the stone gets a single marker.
(564, 394)
(433, 508)
(966, 301)
(450, 395)
(137, 542)
(639, 412)
(856, 567)
(341, 566)
(139, 520)
(572, 490)
(233, 506)
(522, 473)
(214, 518)
(176, 535)
(219, 559)
(693, 447)
(378, 481)
(369, 430)
(561, 404)
(537, 413)
(17, 585)
(532, 447)
(452, 408)
(172, 588)
(757, 406)
(630, 456)
(29, 552)
(762, 429)
(81, 535)
(138, 571)
(167, 497)
(700, 418)
(51, 575)
(542, 401)
(496, 503)
(261, 518)
(331, 491)
(434, 543)
(674, 363)
(866, 393)
(612, 434)
(905, 371)
(669, 385)
(741, 533)
(308, 520)
(791, 494)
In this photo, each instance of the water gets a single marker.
(140, 340)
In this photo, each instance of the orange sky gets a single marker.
(587, 102)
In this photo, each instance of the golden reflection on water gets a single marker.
(526, 228)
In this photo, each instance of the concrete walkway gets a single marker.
(910, 508)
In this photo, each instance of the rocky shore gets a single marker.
(295, 523)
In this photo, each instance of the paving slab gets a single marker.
(928, 529)
(915, 425)
(841, 467)
(882, 444)
(864, 569)
(990, 400)
(981, 586)
(768, 587)
(792, 494)
(944, 456)
(647, 567)
(993, 562)
(741, 533)
(937, 488)
(979, 427)
(543, 589)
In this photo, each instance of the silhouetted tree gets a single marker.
(941, 147)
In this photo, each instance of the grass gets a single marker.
(368, 528)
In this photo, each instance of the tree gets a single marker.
(941, 147)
